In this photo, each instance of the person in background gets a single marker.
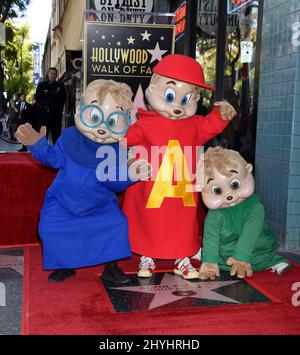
(3, 112)
(23, 109)
(51, 98)
(13, 120)
(34, 115)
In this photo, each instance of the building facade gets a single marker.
(278, 123)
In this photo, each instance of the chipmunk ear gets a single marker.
(249, 167)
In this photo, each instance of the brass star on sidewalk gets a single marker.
(173, 288)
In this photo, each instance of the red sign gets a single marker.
(180, 21)
(237, 2)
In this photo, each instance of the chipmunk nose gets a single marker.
(101, 132)
(177, 112)
(229, 198)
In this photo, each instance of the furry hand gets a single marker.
(139, 169)
(227, 111)
(239, 268)
(209, 271)
(28, 136)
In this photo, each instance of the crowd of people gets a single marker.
(45, 109)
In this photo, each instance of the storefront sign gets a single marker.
(124, 52)
(138, 6)
(180, 22)
(208, 17)
(247, 51)
(236, 5)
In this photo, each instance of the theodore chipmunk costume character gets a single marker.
(162, 214)
(81, 223)
(237, 237)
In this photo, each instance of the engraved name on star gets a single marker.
(156, 53)
(12, 262)
(172, 288)
(130, 40)
(146, 36)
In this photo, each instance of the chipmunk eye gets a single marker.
(170, 95)
(186, 99)
(235, 184)
(216, 190)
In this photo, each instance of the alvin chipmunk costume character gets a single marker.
(162, 213)
(81, 223)
(237, 237)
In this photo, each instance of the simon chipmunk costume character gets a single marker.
(237, 237)
(81, 223)
(162, 213)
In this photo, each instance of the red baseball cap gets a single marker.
(182, 68)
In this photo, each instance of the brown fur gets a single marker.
(222, 160)
(121, 92)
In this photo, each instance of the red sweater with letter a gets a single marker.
(162, 213)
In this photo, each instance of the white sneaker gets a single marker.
(183, 267)
(280, 268)
(146, 267)
(198, 256)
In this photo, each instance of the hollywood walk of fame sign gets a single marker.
(168, 291)
(125, 52)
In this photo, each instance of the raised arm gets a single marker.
(211, 125)
(37, 144)
(216, 121)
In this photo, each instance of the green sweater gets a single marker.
(241, 232)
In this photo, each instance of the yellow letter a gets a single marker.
(163, 186)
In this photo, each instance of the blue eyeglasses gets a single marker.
(93, 117)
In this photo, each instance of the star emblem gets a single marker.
(118, 43)
(130, 40)
(146, 36)
(174, 288)
(156, 53)
(103, 37)
(162, 38)
(13, 262)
